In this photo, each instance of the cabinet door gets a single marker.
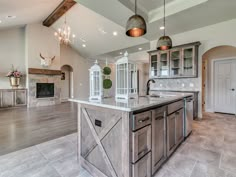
(153, 65)
(163, 64)
(143, 167)
(175, 63)
(171, 139)
(189, 63)
(8, 98)
(179, 126)
(141, 143)
(158, 139)
(20, 97)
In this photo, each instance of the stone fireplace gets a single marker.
(44, 88)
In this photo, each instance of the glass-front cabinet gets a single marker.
(175, 63)
(178, 62)
(188, 61)
(164, 64)
(154, 72)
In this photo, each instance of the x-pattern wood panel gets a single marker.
(100, 136)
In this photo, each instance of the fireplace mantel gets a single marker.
(44, 71)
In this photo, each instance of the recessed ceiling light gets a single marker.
(121, 53)
(0, 21)
(73, 35)
(11, 16)
(140, 48)
(101, 30)
(84, 45)
(115, 33)
(162, 28)
(83, 40)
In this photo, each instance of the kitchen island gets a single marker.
(132, 138)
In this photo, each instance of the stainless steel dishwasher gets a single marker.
(188, 115)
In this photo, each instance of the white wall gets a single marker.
(12, 51)
(210, 37)
(41, 39)
(80, 70)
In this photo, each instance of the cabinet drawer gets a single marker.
(159, 112)
(143, 167)
(175, 106)
(141, 143)
(140, 120)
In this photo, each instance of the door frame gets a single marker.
(213, 77)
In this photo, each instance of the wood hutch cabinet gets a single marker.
(178, 62)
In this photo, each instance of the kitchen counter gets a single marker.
(133, 138)
(183, 91)
(130, 105)
(195, 97)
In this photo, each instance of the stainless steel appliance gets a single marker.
(188, 116)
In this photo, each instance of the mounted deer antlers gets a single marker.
(46, 61)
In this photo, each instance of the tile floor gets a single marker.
(209, 152)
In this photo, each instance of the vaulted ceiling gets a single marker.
(94, 21)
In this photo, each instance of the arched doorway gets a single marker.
(218, 79)
(66, 83)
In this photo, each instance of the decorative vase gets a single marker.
(14, 82)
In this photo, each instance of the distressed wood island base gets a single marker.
(128, 139)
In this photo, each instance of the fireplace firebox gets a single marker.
(44, 90)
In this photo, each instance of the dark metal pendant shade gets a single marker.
(136, 26)
(164, 43)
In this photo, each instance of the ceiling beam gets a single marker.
(58, 12)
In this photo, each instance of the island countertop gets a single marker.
(135, 104)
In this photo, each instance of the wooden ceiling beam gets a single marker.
(58, 12)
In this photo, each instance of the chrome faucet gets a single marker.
(148, 85)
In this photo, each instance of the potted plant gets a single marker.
(14, 77)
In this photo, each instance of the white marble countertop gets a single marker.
(130, 105)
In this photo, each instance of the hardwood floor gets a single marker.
(21, 127)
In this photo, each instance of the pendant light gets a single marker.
(136, 25)
(165, 42)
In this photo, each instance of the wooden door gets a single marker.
(171, 138)
(224, 87)
(141, 143)
(179, 126)
(8, 98)
(158, 139)
(143, 167)
(204, 65)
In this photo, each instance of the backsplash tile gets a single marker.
(188, 84)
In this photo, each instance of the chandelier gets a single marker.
(64, 34)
